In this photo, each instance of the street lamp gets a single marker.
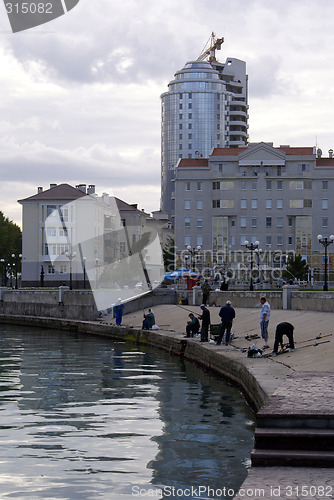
(84, 271)
(193, 252)
(252, 247)
(257, 253)
(3, 271)
(325, 242)
(16, 259)
(70, 256)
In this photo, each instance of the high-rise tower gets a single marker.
(205, 107)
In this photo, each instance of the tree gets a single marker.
(168, 254)
(10, 238)
(296, 268)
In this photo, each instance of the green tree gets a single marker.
(168, 254)
(296, 268)
(10, 238)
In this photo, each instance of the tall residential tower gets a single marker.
(205, 108)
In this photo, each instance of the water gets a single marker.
(85, 417)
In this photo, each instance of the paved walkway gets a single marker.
(310, 356)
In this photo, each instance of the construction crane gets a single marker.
(215, 44)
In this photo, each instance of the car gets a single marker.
(139, 285)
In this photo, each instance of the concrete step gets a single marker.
(292, 458)
(294, 439)
(295, 421)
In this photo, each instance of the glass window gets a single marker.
(296, 185)
(268, 203)
(199, 222)
(254, 185)
(199, 240)
(199, 186)
(186, 241)
(51, 269)
(243, 185)
(279, 221)
(254, 204)
(290, 240)
(243, 203)
(279, 239)
(243, 221)
(199, 204)
(187, 186)
(268, 221)
(296, 203)
(325, 222)
(325, 204)
(290, 222)
(268, 239)
(254, 221)
(243, 238)
(187, 204)
(268, 185)
(279, 203)
(325, 185)
(187, 222)
(279, 185)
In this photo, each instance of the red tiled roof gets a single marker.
(325, 162)
(227, 151)
(63, 192)
(297, 151)
(193, 162)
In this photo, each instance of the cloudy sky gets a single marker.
(80, 96)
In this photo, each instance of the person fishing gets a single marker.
(192, 326)
(287, 329)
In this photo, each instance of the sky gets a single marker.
(80, 95)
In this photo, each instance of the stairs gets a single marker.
(294, 428)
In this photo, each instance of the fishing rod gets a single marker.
(189, 310)
(310, 340)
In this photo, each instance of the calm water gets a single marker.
(90, 418)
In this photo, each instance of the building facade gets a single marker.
(281, 197)
(70, 234)
(206, 107)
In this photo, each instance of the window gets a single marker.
(122, 246)
(222, 203)
(187, 204)
(243, 221)
(232, 239)
(324, 185)
(63, 231)
(243, 204)
(268, 239)
(199, 240)
(325, 204)
(268, 185)
(290, 240)
(325, 222)
(243, 185)
(279, 239)
(187, 186)
(51, 269)
(51, 231)
(279, 221)
(296, 203)
(279, 185)
(280, 169)
(62, 269)
(254, 204)
(254, 185)
(290, 222)
(254, 221)
(279, 203)
(243, 238)
(199, 222)
(186, 241)
(51, 210)
(296, 185)
(199, 186)
(269, 203)
(199, 204)
(187, 222)
(268, 221)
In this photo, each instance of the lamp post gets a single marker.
(84, 271)
(16, 259)
(193, 252)
(3, 271)
(70, 256)
(257, 253)
(325, 242)
(252, 247)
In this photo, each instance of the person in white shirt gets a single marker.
(264, 320)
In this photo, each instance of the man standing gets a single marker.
(283, 328)
(118, 312)
(227, 314)
(206, 292)
(264, 320)
(205, 317)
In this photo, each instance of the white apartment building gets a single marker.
(282, 197)
(72, 234)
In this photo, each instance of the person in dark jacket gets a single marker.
(227, 314)
(192, 326)
(284, 328)
(205, 317)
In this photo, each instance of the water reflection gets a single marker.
(84, 417)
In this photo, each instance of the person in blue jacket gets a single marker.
(118, 312)
(227, 314)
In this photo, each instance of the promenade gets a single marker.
(300, 383)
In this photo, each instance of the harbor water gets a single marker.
(84, 417)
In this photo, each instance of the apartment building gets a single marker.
(281, 197)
